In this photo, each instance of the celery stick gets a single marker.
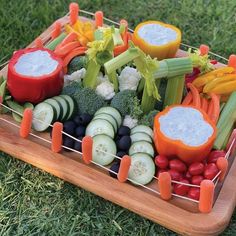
(3, 88)
(1, 80)
(141, 85)
(113, 79)
(222, 105)
(174, 90)
(52, 45)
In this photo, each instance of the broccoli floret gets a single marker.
(72, 88)
(77, 63)
(148, 119)
(127, 103)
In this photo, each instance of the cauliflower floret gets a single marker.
(129, 79)
(102, 78)
(130, 122)
(75, 76)
(106, 90)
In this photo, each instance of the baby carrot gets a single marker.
(195, 94)
(57, 30)
(210, 108)
(188, 99)
(124, 168)
(215, 109)
(164, 184)
(71, 37)
(57, 137)
(38, 43)
(67, 48)
(98, 19)
(74, 11)
(232, 61)
(222, 164)
(206, 196)
(204, 104)
(87, 149)
(26, 123)
(204, 49)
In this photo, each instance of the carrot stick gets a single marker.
(74, 12)
(98, 19)
(195, 94)
(232, 61)
(204, 104)
(206, 196)
(87, 149)
(57, 30)
(214, 110)
(38, 43)
(125, 23)
(121, 48)
(71, 37)
(67, 48)
(164, 184)
(204, 49)
(222, 164)
(124, 168)
(188, 99)
(26, 123)
(57, 137)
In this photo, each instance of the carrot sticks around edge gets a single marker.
(206, 196)
(232, 61)
(74, 12)
(214, 111)
(26, 123)
(222, 164)
(164, 184)
(124, 168)
(57, 30)
(57, 137)
(204, 104)
(195, 94)
(98, 19)
(188, 99)
(87, 149)
(204, 49)
(1, 100)
(38, 43)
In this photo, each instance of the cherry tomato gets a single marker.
(175, 175)
(196, 168)
(161, 161)
(197, 179)
(214, 155)
(181, 189)
(161, 171)
(210, 171)
(194, 193)
(188, 176)
(178, 165)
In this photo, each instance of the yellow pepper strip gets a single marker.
(202, 80)
(88, 26)
(78, 26)
(219, 80)
(89, 35)
(225, 88)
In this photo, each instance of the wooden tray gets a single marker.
(178, 215)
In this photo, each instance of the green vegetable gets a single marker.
(1, 80)
(127, 103)
(174, 90)
(72, 88)
(148, 119)
(226, 122)
(77, 63)
(52, 45)
(3, 88)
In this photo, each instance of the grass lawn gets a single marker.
(35, 203)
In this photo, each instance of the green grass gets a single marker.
(33, 202)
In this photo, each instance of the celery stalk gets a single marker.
(114, 80)
(52, 45)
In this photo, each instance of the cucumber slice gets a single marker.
(103, 143)
(71, 105)
(140, 137)
(142, 129)
(142, 169)
(109, 118)
(57, 106)
(65, 107)
(100, 126)
(141, 146)
(45, 113)
(111, 111)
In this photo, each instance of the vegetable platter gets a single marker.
(127, 115)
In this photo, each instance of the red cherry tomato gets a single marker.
(178, 165)
(161, 161)
(194, 193)
(161, 171)
(196, 168)
(214, 155)
(175, 175)
(181, 189)
(197, 179)
(210, 171)
(188, 176)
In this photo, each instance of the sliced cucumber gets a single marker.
(142, 129)
(111, 111)
(100, 126)
(140, 137)
(42, 112)
(57, 106)
(65, 107)
(142, 169)
(71, 105)
(103, 143)
(109, 118)
(141, 146)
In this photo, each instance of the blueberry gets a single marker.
(114, 167)
(124, 130)
(69, 127)
(83, 119)
(80, 131)
(68, 142)
(124, 143)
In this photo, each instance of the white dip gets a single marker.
(156, 34)
(36, 64)
(186, 125)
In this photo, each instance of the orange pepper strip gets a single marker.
(57, 30)
(214, 111)
(57, 137)
(222, 164)
(206, 196)
(204, 49)
(87, 149)
(124, 168)
(204, 103)
(38, 43)
(26, 123)
(74, 11)
(65, 49)
(196, 96)
(164, 184)
(188, 99)
(232, 61)
(98, 19)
